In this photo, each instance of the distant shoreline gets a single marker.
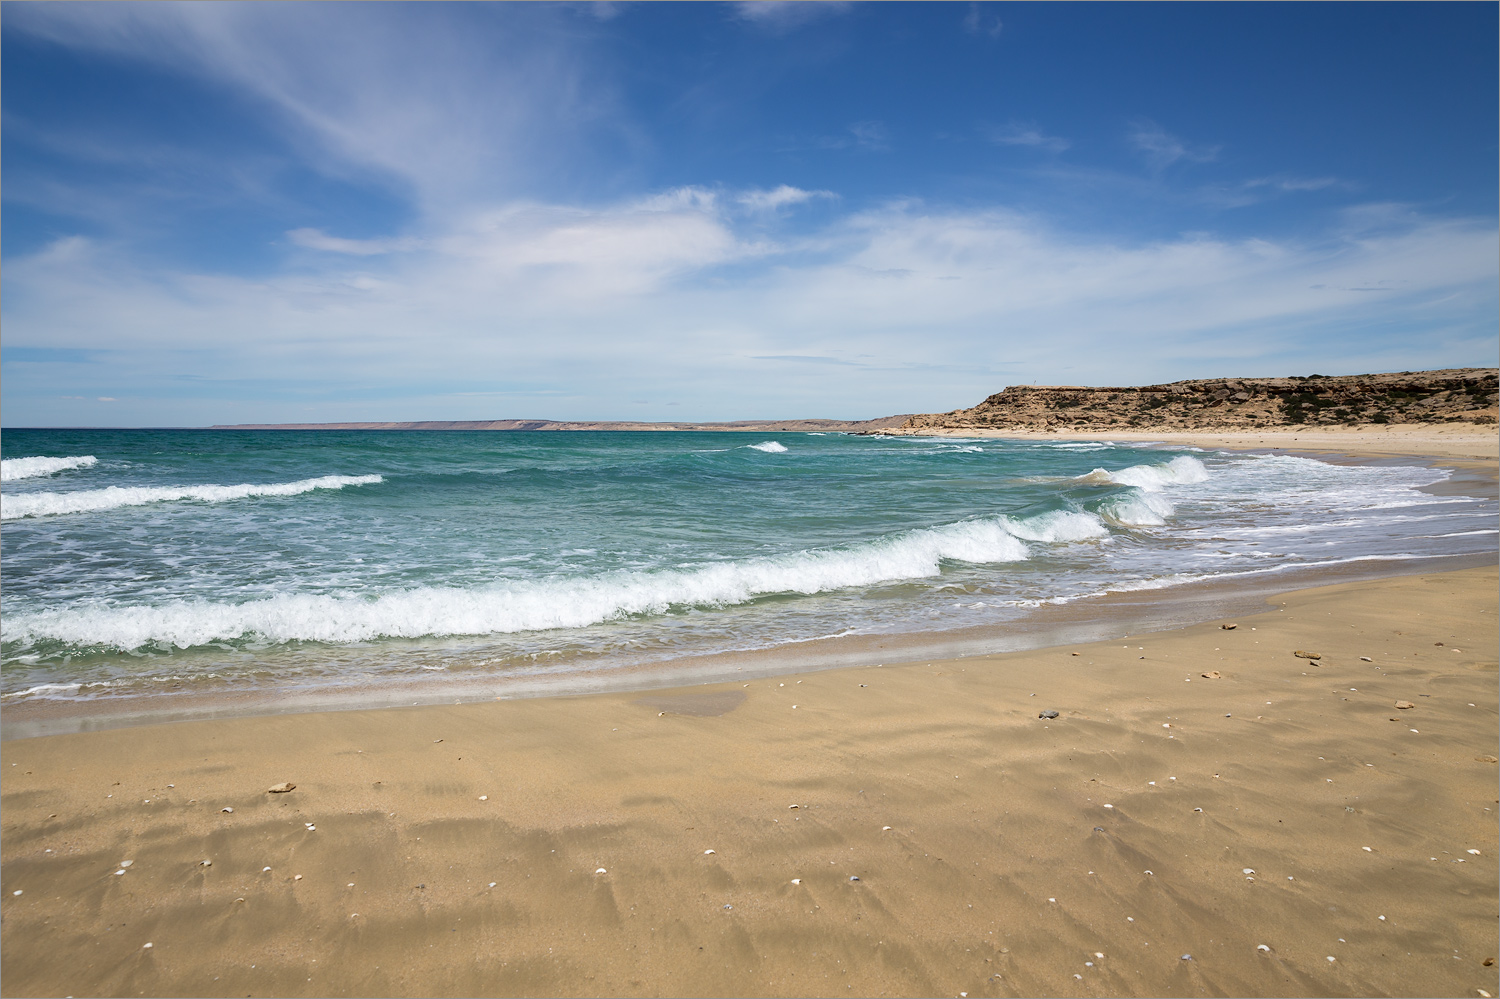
(752, 426)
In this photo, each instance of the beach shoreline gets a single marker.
(1458, 449)
(1067, 836)
(872, 827)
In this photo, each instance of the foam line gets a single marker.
(12, 469)
(556, 603)
(112, 497)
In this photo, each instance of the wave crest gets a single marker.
(31, 468)
(770, 447)
(111, 497)
(558, 603)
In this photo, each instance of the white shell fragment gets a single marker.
(601, 871)
(1263, 948)
(795, 881)
(707, 853)
(226, 811)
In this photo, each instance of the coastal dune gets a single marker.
(1279, 826)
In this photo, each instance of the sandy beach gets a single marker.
(1209, 812)
(886, 830)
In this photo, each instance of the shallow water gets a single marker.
(285, 560)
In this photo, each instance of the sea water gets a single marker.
(156, 561)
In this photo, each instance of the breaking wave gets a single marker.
(93, 500)
(30, 468)
(770, 447)
(556, 603)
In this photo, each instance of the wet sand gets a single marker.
(457, 850)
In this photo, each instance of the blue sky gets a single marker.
(280, 212)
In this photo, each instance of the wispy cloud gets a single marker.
(980, 20)
(780, 197)
(1023, 134)
(317, 239)
(1162, 149)
(673, 297)
(387, 94)
(786, 15)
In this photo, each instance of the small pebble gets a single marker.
(16, 892)
(281, 788)
(1049, 713)
(206, 863)
(1228, 627)
(1185, 957)
(1405, 705)
(296, 877)
(1306, 655)
(484, 797)
(1365, 659)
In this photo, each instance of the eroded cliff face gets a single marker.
(1453, 395)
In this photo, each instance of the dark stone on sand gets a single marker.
(1049, 713)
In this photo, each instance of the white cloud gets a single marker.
(780, 197)
(1162, 149)
(978, 21)
(379, 91)
(317, 239)
(785, 15)
(572, 311)
(1018, 134)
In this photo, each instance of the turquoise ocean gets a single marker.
(150, 562)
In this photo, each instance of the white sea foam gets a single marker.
(1137, 509)
(557, 603)
(770, 447)
(93, 500)
(1154, 478)
(30, 468)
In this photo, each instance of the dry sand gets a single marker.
(1460, 442)
(944, 840)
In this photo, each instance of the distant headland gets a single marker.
(1454, 395)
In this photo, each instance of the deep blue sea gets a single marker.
(140, 561)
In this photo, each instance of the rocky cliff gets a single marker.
(1458, 394)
